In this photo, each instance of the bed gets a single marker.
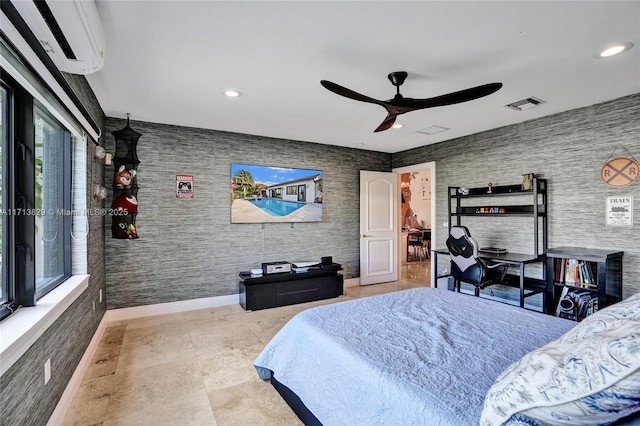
(415, 357)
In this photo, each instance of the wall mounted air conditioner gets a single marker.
(70, 32)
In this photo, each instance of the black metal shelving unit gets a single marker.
(534, 207)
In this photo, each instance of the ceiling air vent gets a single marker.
(525, 104)
(432, 130)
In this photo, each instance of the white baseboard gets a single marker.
(57, 417)
(352, 282)
(171, 307)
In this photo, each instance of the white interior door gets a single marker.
(378, 227)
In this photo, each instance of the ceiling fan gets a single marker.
(399, 104)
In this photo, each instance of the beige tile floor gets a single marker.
(196, 368)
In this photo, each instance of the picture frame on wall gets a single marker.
(184, 186)
(619, 211)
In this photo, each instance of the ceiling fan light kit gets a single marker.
(400, 105)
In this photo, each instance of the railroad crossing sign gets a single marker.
(620, 171)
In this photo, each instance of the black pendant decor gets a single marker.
(124, 207)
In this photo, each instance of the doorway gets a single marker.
(417, 207)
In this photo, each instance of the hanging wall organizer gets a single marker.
(124, 207)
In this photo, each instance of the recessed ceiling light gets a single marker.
(614, 49)
(232, 93)
(397, 126)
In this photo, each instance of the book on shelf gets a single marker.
(574, 272)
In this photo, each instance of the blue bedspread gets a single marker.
(415, 357)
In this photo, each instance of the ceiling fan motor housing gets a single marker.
(397, 78)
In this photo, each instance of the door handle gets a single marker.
(366, 236)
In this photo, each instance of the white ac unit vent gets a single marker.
(523, 104)
(70, 32)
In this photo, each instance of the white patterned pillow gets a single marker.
(588, 376)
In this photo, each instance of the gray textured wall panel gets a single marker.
(188, 248)
(569, 150)
(22, 386)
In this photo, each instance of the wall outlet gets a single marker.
(47, 371)
(100, 296)
(445, 224)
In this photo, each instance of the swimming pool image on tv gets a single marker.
(270, 194)
(277, 207)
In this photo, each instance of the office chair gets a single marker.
(466, 266)
(421, 245)
(426, 244)
(415, 242)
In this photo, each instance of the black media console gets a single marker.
(288, 288)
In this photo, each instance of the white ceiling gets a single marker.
(170, 61)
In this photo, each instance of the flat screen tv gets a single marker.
(261, 194)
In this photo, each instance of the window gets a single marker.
(4, 233)
(52, 202)
(36, 199)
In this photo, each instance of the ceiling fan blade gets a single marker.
(348, 93)
(400, 105)
(387, 123)
(452, 98)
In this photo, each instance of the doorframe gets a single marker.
(416, 168)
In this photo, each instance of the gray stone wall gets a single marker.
(188, 248)
(24, 398)
(568, 149)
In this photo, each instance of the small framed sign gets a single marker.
(184, 186)
(620, 211)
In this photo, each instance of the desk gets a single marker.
(512, 259)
